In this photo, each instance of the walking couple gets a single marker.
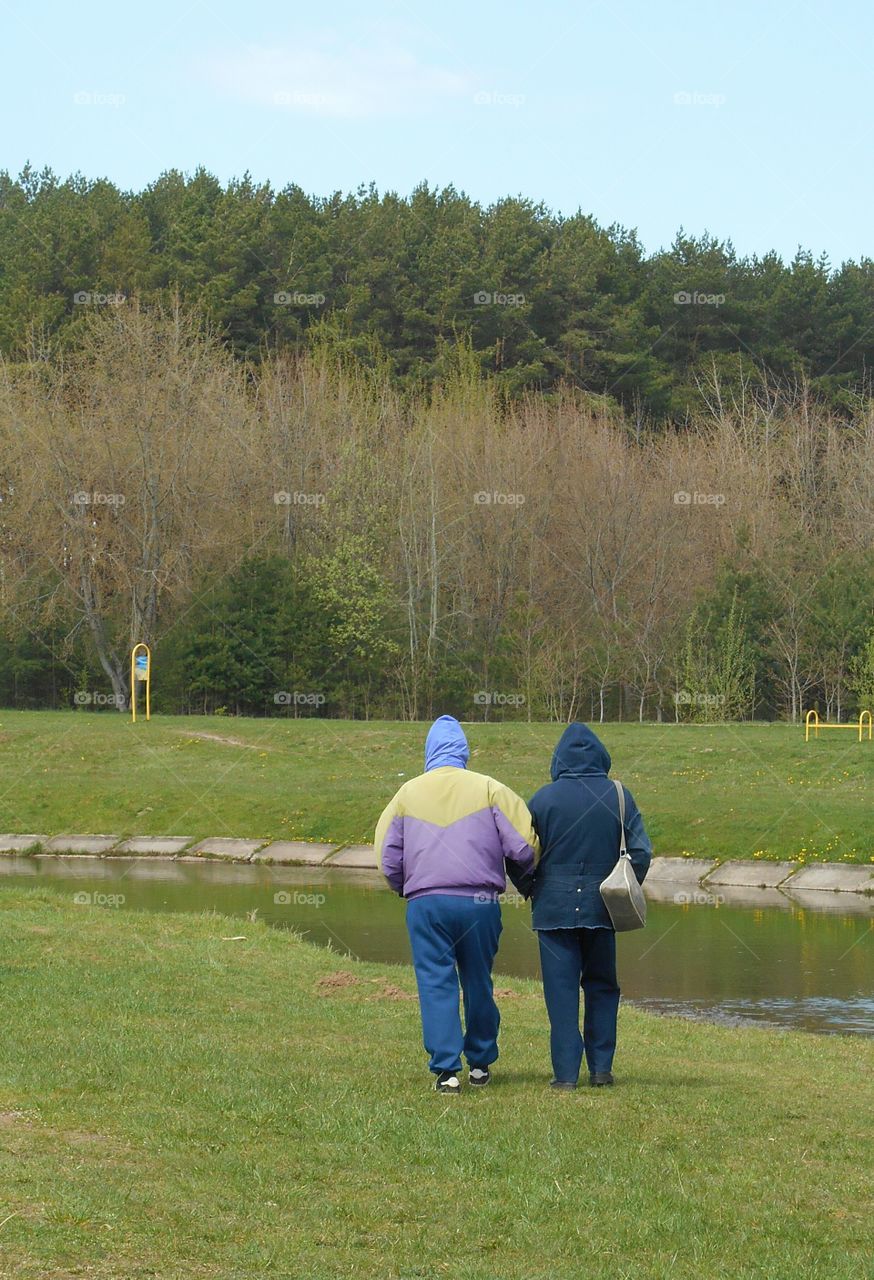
(447, 842)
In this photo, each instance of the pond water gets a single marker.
(757, 957)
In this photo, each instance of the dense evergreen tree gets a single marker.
(544, 298)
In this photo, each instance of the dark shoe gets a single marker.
(562, 1084)
(479, 1076)
(598, 1079)
(448, 1082)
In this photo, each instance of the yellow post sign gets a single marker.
(140, 673)
(862, 726)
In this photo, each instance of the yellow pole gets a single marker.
(133, 687)
(812, 717)
(147, 680)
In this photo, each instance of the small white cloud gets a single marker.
(322, 77)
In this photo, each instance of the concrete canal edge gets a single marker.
(696, 873)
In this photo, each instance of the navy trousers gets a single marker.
(571, 959)
(456, 938)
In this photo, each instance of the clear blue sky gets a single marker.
(750, 120)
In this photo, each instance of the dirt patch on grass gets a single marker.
(389, 991)
(72, 1137)
(341, 981)
(224, 739)
(15, 1119)
(81, 1138)
(337, 981)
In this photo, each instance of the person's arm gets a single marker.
(637, 841)
(389, 845)
(519, 842)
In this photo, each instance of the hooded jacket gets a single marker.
(576, 817)
(450, 830)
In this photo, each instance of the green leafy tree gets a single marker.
(355, 598)
(718, 670)
(862, 675)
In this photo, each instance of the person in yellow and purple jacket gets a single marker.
(446, 843)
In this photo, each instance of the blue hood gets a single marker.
(579, 753)
(446, 744)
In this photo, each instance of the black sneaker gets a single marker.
(479, 1076)
(598, 1079)
(448, 1082)
(562, 1084)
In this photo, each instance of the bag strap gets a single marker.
(620, 791)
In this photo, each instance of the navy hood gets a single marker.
(446, 744)
(579, 753)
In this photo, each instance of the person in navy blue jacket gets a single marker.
(576, 817)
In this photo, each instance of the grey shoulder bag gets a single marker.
(623, 896)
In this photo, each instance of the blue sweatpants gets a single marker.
(456, 938)
(570, 959)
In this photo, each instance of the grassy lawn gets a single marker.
(722, 791)
(176, 1103)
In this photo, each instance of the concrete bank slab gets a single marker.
(680, 870)
(837, 876)
(17, 844)
(283, 852)
(80, 844)
(751, 875)
(356, 855)
(154, 846)
(668, 876)
(219, 847)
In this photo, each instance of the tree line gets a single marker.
(544, 300)
(297, 535)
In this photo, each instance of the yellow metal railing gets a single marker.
(812, 721)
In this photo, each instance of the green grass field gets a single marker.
(720, 791)
(178, 1103)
